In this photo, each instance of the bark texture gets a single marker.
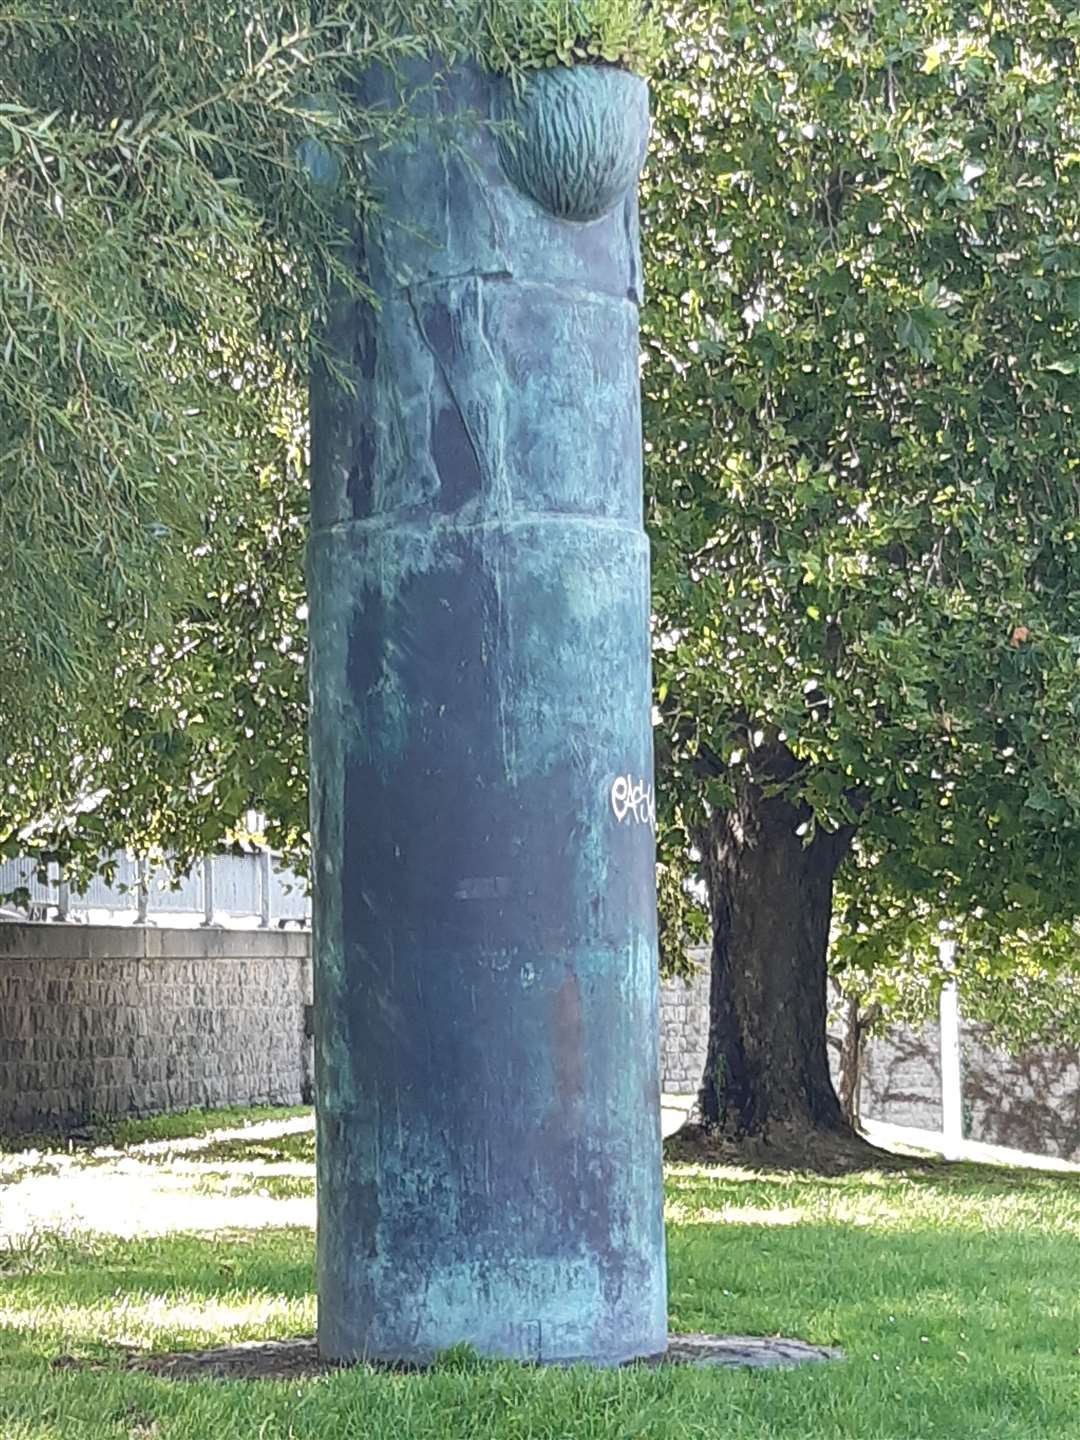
(858, 1024)
(771, 899)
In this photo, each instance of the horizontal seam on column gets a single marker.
(506, 277)
(533, 517)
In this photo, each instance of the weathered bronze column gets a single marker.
(485, 927)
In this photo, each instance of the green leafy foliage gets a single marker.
(171, 177)
(162, 251)
(862, 443)
(513, 36)
(1024, 994)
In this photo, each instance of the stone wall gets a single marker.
(684, 1032)
(102, 1021)
(1029, 1102)
(901, 1078)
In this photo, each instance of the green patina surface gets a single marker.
(481, 742)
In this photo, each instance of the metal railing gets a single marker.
(240, 890)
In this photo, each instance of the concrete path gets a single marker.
(903, 1139)
(135, 1192)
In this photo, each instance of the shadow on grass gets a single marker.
(296, 1147)
(760, 1234)
(964, 1177)
(948, 1328)
(86, 1270)
(926, 1294)
(970, 1178)
(954, 1291)
(881, 1167)
(258, 1182)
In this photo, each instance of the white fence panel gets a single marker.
(247, 890)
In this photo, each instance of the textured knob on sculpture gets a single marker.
(574, 139)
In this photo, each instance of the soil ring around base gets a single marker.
(300, 1359)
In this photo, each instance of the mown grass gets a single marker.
(297, 1146)
(954, 1291)
(178, 1125)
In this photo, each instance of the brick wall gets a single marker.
(105, 1021)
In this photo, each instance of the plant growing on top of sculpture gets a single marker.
(514, 36)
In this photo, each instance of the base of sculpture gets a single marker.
(300, 1359)
(750, 1352)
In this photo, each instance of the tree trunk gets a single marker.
(851, 1048)
(771, 895)
(857, 1026)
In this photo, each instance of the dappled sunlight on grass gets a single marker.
(296, 1147)
(974, 1197)
(92, 1291)
(679, 1214)
(954, 1292)
(262, 1174)
(275, 1183)
(158, 1322)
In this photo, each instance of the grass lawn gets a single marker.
(179, 1125)
(955, 1293)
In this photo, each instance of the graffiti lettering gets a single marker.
(633, 801)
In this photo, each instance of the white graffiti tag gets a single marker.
(633, 802)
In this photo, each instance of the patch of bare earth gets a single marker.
(290, 1360)
(818, 1152)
